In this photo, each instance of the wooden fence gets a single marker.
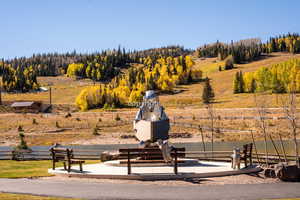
(201, 155)
(206, 128)
(174, 118)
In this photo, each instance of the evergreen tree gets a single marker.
(236, 83)
(253, 86)
(241, 82)
(208, 93)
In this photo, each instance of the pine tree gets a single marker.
(236, 83)
(241, 83)
(208, 93)
(253, 86)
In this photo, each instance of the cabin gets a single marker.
(27, 106)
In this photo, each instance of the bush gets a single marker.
(106, 106)
(117, 118)
(34, 121)
(95, 131)
(68, 115)
(57, 125)
(20, 128)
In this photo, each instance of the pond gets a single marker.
(195, 146)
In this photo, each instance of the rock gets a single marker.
(109, 155)
(287, 172)
(269, 173)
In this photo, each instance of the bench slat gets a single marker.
(146, 150)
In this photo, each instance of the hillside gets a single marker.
(65, 90)
(222, 82)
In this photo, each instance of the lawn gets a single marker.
(7, 196)
(26, 169)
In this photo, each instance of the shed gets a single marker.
(27, 106)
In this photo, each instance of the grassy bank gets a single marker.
(8, 196)
(27, 169)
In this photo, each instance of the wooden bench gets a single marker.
(66, 156)
(149, 155)
(247, 154)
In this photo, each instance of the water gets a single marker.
(195, 146)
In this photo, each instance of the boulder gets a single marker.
(287, 172)
(109, 155)
(269, 173)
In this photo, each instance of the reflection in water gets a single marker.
(195, 146)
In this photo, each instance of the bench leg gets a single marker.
(65, 167)
(80, 165)
(53, 165)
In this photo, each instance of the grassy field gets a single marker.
(7, 196)
(64, 90)
(222, 83)
(27, 169)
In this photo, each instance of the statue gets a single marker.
(152, 125)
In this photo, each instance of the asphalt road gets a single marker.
(93, 190)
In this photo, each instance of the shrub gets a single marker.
(20, 128)
(117, 118)
(57, 125)
(68, 115)
(95, 131)
(34, 121)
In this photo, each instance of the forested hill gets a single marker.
(249, 50)
(52, 64)
(96, 66)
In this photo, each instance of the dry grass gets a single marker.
(222, 83)
(79, 127)
(8, 196)
(64, 90)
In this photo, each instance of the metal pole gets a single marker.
(275, 147)
(128, 163)
(255, 147)
(175, 164)
(203, 143)
(282, 147)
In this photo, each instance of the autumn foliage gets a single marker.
(161, 74)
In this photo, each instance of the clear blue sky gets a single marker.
(37, 26)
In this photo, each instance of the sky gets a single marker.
(35, 26)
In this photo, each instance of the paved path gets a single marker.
(90, 190)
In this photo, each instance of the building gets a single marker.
(27, 106)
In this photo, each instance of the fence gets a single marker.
(206, 128)
(200, 155)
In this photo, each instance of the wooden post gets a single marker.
(255, 147)
(282, 147)
(128, 163)
(175, 163)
